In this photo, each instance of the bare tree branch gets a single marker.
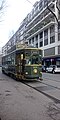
(2, 4)
(2, 8)
(30, 2)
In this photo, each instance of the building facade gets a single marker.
(41, 28)
(0, 59)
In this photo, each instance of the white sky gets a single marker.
(13, 15)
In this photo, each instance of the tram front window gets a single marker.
(34, 59)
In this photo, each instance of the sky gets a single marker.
(13, 14)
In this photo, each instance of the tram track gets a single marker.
(52, 80)
(46, 78)
(55, 99)
(38, 85)
(50, 85)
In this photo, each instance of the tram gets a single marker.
(25, 62)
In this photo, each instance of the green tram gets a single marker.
(25, 62)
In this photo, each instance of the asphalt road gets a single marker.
(20, 102)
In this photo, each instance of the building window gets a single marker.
(50, 51)
(33, 12)
(45, 42)
(46, 37)
(36, 9)
(58, 36)
(41, 35)
(30, 41)
(58, 49)
(59, 32)
(36, 37)
(41, 43)
(46, 32)
(52, 29)
(33, 40)
(45, 3)
(29, 17)
(41, 5)
(37, 45)
(59, 26)
(52, 39)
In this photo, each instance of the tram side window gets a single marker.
(34, 60)
(12, 59)
(9, 59)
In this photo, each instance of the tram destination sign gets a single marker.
(20, 46)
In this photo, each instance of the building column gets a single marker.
(43, 43)
(43, 38)
(48, 36)
(38, 41)
(34, 41)
(56, 29)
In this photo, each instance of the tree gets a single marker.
(2, 7)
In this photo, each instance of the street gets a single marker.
(20, 102)
(30, 60)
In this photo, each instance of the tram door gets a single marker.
(20, 64)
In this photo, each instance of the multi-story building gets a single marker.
(41, 28)
(0, 59)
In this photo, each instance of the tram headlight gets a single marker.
(26, 73)
(35, 70)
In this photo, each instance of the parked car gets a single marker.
(43, 68)
(51, 68)
(57, 69)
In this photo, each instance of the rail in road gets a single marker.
(46, 90)
(50, 86)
